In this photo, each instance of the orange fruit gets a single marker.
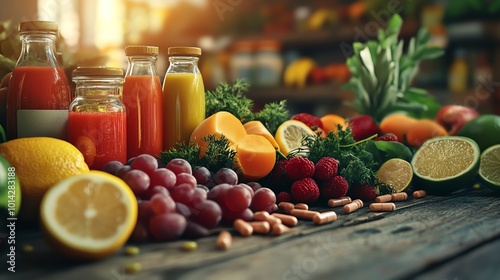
(397, 124)
(423, 130)
(331, 122)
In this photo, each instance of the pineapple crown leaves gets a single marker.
(382, 73)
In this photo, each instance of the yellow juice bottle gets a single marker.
(184, 96)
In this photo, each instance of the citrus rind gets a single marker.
(397, 173)
(489, 167)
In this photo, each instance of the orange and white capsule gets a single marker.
(287, 220)
(243, 227)
(325, 217)
(279, 229)
(286, 206)
(353, 206)
(339, 201)
(400, 196)
(260, 227)
(302, 206)
(382, 207)
(275, 207)
(224, 240)
(419, 194)
(264, 216)
(303, 214)
(383, 198)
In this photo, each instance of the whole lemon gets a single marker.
(485, 130)
(41, 162)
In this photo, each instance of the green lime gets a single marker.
(397, 173)
(489, 167)
(483, 129)
(445, 164)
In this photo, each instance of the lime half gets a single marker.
(445, 164)
(489, 167)
(397, 173)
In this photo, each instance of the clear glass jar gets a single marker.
(268, 64)
(97, 117)
(143, 99)
(184, 96)
(39, 92)
(242, 62)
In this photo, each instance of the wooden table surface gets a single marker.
(452, 237)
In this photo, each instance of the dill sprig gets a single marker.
(273, 115)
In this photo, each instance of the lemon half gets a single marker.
(289, 135)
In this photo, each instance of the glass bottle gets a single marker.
(143, 99)
(184, 96)
(39, 92)
(97, 123)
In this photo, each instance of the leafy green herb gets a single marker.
(382, 73)
(217, 155)
(273, 115)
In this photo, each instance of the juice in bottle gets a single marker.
(143, 100)
(184, 96)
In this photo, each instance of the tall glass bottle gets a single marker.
(39, 92)
(184, 96)
(143, 98)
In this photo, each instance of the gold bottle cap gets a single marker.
(38, 26)
(141, 50)
(97, 71)
(188, 51)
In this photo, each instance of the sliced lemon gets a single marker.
(445, 164)
(489, 167)
(397, 173)
(89, 216)
(290, 134)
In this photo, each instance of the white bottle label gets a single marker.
(48, 123)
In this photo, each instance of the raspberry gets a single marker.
(334, 187)
(279, 180)
(311, 121)
(305, 191)
(299, 168)
(283, 197)
(364, 192)
(325, 168)
(387, 137)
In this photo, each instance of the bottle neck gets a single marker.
(183, 64)
(38, 49)
(141, 66)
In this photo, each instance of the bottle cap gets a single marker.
(141, 50)
(97, 71)
(38, 26)
(188, 51)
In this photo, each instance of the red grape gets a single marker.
(208, 214)
(226, 175)
(163, 177)
(185, 178)
(218, 192)
(154, 190)
(144, 211)
(195, 230)
(263, 200)
(129, 161)
(179, 165)
(183, 193)
(202, 187)
(229, 216)
(167, 227)
(199, 195)
(137, 180)
(182, 209)
(254, 185)
(237, 198)
(145, 162)
(202, 175)
(162, 204)
(250, 190)
(140, 234)
(122, 171)
(112, 167)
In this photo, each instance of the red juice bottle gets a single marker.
(143, 99)
(97, 123)
(39, 92)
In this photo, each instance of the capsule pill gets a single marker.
(353, 206)
(383, 198)
(359, 202)
(382, 207)
(132, 268)
(419, 194)
(264, 216)
(339, 201)
(279, 229)
(287, 220)
(400, 196)
(325, 217)
(286, 206)
(302, 206)
(303, 214)
(189, 246)
(275, 207)
(260, 227)
(224, 240)
(243, 227)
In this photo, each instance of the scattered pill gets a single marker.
(260, 227)
(28, 248)
(286, 206)
(383, 198)
(302, 206)
(132, 250)
(339, 201)
(189, 246)
(264, 216)
(275, 207)
(400, 196)
(132, 268)
(243, 227)
(279, 229)
(325, 217)
(303, 214)
(224, 240)
(287, 220)
(359, 202)
(353, 206)
(382, 207)
(419, 194)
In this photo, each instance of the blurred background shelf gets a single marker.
(317, 93)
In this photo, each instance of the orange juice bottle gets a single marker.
(183, 96)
